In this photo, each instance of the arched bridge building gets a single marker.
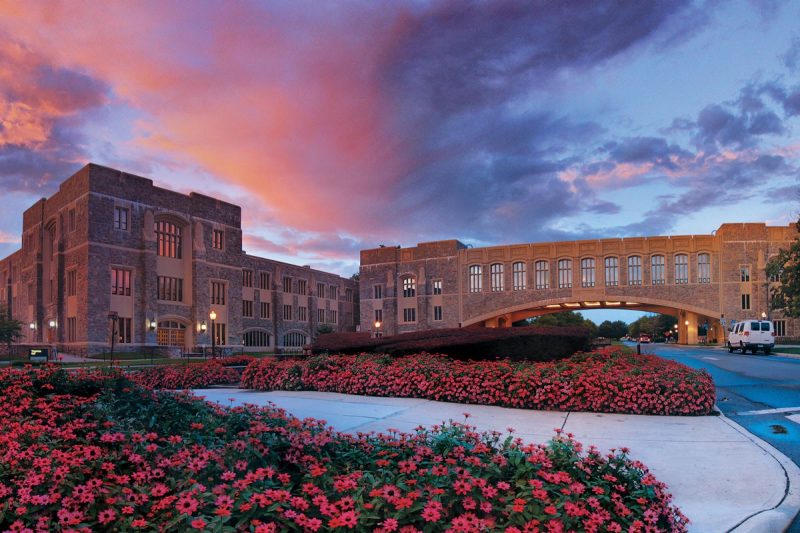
(700, 279)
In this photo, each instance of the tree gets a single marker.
(566, 318)
(654, 325)
(612, 330)
(356, 277)
(785, 268)
(10, 329)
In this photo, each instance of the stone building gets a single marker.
(704, 280)
(111, 250)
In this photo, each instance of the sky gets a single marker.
(340, 126)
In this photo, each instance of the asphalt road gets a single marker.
(761, 393)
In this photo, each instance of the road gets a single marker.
(761, 393)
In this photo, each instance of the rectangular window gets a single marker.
(169, 239)
(219, 334)
(320, 290)
(496, 277)
(121, 218)
(301, 286)
(542, 274)
(378, 315)
(247, 278)
(565, 274)
(348, 295)
(72, 329)
(681, 268)
(287, 312)
(587, 272)
(218, 239)
(333, 292)
(266, 312)
(72, 282)
(634, 270)
(124, 330)
(745, 302)
(217, 293)
(437, 312)
(170, 289)
(264, 280)
(437, 287)
(120, 282)
(287, 284)
(475, 278)
(377, 292)
(780, 328)
(703, 268)
(332, 317)
(72, 224)
(409, 287)
(745, 272)
(612, 271)
(657, 270)
(518, 275)
(247, 308)
(302, 314)
(410, 314)
(52, 290)
(320, 315)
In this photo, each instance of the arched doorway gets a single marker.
(171, 333)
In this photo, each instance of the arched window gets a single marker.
(497, 277)
(704, 268)
(565, 274)
(518, 271)
(294, 339)
(169, 239)
(256, 338)
(612, 271)
(681, 268)
(587, 272)
(475, 278)
(542, 274)
(171, 333)
(634, 270)
(657, 270)
(409, 287)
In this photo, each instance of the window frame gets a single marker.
(564, 273)
(519, 275)
(611, 271)
(496, 277)
(475, 278)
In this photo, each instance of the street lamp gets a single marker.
(52, 323)
(377, 328)
(676, 333)
(113, 316)
(763, 315)
(153, 325)
(213, 316)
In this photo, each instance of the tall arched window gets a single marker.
(704, 268)
(169, 239)
(475, 278)
(681, 268)
(294, 339)
(634, 270)
(657, 270)
(497, 277)
(587, 272)
(409, 287)
(518, 271)
(256, 337)
(542, 273)
(612, 271)
(565, 274)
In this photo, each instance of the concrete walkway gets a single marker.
(721, 477)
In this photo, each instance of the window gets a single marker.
(217, 293)
(170, 289)
(168, 236)
(121, 218)
(745, 272)
(377, 292)
(333, 292)
(287, 284)
(71, 219)
(378, 315)
(410, 314)
(587, 272)
(475, 278)
(496, 277)
(320, 315)
(302, 314)
(409, 287)
(657, 269)
(745, 302)
(332, 318)
(437, 287)
(72, 282)
(219, 334)
(612, 271)
(704, 268)
(437, 312)
(256, 338)
(565, 274)
(247, 278)
(72, 329)
(681, 268)
(124, 330)
(32, 295)
(518, 276)
(634, 270)
(348, 295)
(301, 286)
(294, 339)
(266, 312)
(780, 328)
(264, 280)
(120, 282)
(320, 290)
(287, 312)
(541, 271)
(218, 239)
(247, 308)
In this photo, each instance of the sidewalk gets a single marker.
(721, 477)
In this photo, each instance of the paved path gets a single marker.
(722, 477)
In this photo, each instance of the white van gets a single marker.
(752, 335)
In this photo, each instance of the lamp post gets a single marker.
(676, 333)
(32, 326)
(213, 316)
(113, 316)
(377, 329)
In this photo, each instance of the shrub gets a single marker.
(191, 376)
(607, 381)
(127, 459)
(540, 344)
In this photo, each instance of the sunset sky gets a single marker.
(339, 126)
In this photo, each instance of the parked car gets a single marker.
(752, 335)
(644, 339)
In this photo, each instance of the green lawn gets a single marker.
(781, 349)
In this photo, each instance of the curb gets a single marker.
(780, 517)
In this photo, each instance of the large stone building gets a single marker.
(111, 250)
(704, 280)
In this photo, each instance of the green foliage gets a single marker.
(10, 329)
(567, 318)
(786, 268)
(653, 325)
(612, 330)
(323, 329)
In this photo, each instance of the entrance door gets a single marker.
(171, 333)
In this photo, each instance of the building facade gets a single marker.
(111, 252)
(705, 280)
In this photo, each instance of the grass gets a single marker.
(781, 349)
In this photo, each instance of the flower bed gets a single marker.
(96, 452)
(190, 376)
(608, 381)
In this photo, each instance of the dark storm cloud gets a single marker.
(654, 150)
